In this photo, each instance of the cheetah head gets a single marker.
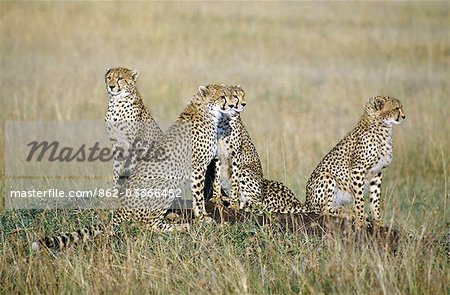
(387, 109)
(222, 99)
(120, 82)
(238, 95)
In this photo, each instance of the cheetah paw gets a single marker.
(172, 217)
(234, 206)
(378, 223)
(216, 200)
(362, 224)
(205, 219)
(208, 220)
(182, 227)
(219, 200)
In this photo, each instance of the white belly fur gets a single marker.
(341, 198)
(225, 175)
(382, 163)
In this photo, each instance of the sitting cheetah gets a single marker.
(356, 163)
(239, 172)
(185, 152)
(129, 124)
(182, 154)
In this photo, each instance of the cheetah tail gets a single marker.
(64, 240)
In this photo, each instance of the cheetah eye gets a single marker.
(120, 78)
(222, 97)
(235, 97)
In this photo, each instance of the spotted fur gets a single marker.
(356, 163)
(131, 128)
(239, 172)
(183, 153)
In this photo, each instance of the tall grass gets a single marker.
(307, 69)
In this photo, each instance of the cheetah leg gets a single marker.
(150, 218)
(120, 215)
(357, 178)
(117, 164)
(124, 162)
(329, 190)
(164, 227)
(375, 197)
(158, 225)
(217, 193)
(251, 191)
(129, 161)
(236, 177)
(197, 187)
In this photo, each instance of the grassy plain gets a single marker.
(307, 69)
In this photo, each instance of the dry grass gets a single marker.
(307, 69)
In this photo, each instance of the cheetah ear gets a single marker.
(108, 69)
(134, 74)
(241, 90)
(378, 103)
(203, 91)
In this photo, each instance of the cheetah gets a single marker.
(130, 125)
(183, 153)
(356, 163)
(239, 172)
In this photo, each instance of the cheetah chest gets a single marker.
(382, 161)
(225, 166)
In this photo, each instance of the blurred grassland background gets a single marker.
(307, 69)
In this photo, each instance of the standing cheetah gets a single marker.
(239, 172)
(356, 163)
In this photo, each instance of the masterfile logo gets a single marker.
(71, 164)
